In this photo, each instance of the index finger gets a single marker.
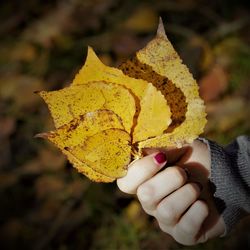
(141, 170)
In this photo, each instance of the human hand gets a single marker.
(173, 186)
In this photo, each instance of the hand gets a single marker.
(173, 186)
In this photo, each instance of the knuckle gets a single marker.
(145, 193)
(166, 214)
(163, 227)
(203, 238)
(139, 192)
(193, 190)
(203, 205)
(185, 228)
(148, 211)
(179, 175)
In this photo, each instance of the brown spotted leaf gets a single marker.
(95, 70)
(107, 116)
(107, 152)
(75, 133)
(160, 55)
(71, 102)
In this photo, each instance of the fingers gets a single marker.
(179, 213)
(190, 224)
(140, 171)
(170, 209)
(154, 190)
(168, 197)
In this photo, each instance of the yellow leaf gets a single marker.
(71, 102)
(83, 168)
(95, 70)
(107, 152)
(173, 95)
(154, 116)
(161, 56)
(108, 115)
(78, 131)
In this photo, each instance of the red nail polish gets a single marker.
(160, 158)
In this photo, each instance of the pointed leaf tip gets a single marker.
(91, 52)
(42, 135)
(92, 56)
(160, 29)
(90, 49)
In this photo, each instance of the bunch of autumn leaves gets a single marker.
(108, 115)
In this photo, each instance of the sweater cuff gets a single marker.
(226, 185)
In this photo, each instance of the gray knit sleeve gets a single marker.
(230, 176)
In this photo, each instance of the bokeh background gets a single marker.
(44, 202)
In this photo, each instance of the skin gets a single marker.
(177, 193)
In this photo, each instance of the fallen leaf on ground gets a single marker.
(226, 114)
(144, 19)
(214, 83)
(19, 88)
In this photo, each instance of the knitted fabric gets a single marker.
(230, 176)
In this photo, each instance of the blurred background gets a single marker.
(44, 202)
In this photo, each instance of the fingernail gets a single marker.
(160, 158)
(199, 185)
